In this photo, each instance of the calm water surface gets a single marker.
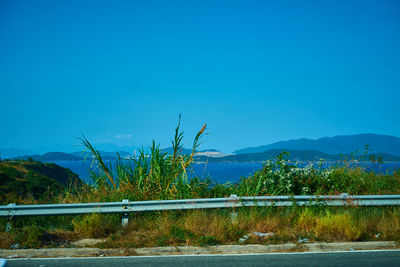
(220, 172)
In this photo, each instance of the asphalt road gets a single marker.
(352, 258)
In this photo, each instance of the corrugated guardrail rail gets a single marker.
(125, 207)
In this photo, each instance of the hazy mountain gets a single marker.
(206, 152)
(74, 156)
(209, 150)
(51, 156)
(113, 147)
(170, 150)
(104, 154)
(385, 145)
(8, 153)
(51, 148)
(343, 144)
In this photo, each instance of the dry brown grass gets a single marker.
(187, 227)
(336, 227)
(6, 240)
(307, 221)
(389, 226)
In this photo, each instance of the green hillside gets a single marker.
(22, 178)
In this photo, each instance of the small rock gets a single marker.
(245, 237)
(303, 240)
(262, 234)
(15, 246)
(256, 234)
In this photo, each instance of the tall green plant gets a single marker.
(148, 175)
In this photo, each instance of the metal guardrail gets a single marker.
(125, 207)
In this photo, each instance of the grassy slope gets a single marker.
(20, 179)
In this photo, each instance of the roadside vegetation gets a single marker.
(208, 227)
(159, 175)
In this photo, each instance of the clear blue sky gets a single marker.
(255, 71)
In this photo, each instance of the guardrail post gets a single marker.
(10, 219)
(125, 216)
(234, 215)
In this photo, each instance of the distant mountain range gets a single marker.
(327, 148)
(343, 144)
(8, 153)
(212, 156)
(74, 156)
(78, 156)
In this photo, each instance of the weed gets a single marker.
(162, 241)
(204, 241)
(95, 225)
(30, 237)
(336, 227)
(307, 221)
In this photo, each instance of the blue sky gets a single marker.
(255, 71)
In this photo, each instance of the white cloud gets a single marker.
(123, 136)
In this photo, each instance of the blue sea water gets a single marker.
(221, 172)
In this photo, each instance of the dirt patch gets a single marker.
(87, 242)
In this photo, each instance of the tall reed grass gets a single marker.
(149, 175)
